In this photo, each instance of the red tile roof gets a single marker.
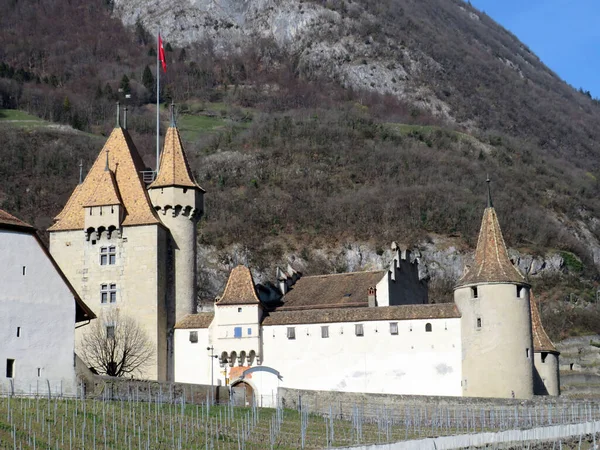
(403, 312)
(327, 291)
(9, 221)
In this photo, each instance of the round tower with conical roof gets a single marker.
(179, 200)
(493, 298)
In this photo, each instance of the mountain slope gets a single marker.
(320, 130)
(441, 54)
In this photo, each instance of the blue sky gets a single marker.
(565, 34)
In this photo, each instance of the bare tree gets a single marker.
(115, 345)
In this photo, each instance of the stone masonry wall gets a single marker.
(342, 404)
(107, 388)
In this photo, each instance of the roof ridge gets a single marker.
(341, 273)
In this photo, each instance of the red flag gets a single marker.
(161, 54)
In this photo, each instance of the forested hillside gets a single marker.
(306, 145)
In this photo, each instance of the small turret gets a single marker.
(103, 208)
(493, 298)
(546, 379)
(179, 200)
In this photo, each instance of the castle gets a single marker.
(124, 243)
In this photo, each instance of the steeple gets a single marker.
(492, 264)
(174, 167)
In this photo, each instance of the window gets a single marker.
(479, 322)
(544, 356)
(249, 331)
(10, 368)
(194, 337)
(24, 270)
(324, 332)
(428, 328)
(110, 331)
(237, 332)
(108, 293)
(39, 372)
(519, 291)
(239, 309)
(527, 353)
(394, 328)
(18, 331)
(359, 330)
(291, 333)
(474, 293)
(108, 255)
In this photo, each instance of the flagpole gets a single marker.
(157, 101)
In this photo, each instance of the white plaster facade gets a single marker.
(38, 311)
(412, 362)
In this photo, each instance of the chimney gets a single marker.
(372, 296)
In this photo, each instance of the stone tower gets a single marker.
(119, 252)
(179, 202)
(493, 298)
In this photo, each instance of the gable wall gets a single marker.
(43, 306)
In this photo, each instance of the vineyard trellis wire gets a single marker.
(172, 422)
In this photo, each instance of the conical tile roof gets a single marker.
(124, 182)
(492, 264)
(541, 341)
(174, 167)
(240, 288)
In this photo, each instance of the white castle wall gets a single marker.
(192, 360)
(412, 362)
(43, 307)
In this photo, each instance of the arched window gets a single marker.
(428, 327)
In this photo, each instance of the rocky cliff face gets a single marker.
(325, 41)
(441, 261)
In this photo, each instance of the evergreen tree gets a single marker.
(66, 105)
(168, 47)
(148, 79)
(125, 84)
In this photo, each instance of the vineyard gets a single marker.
(55, 423)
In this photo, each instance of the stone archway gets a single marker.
(242, 394)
